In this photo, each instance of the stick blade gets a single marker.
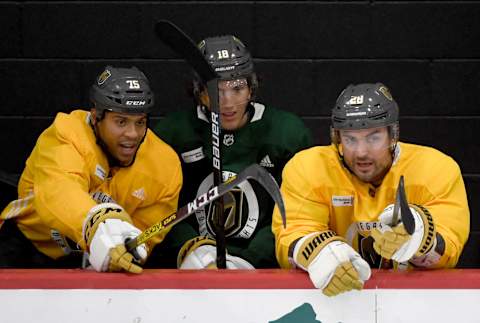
(183, 45)
(264, 178)
(396, 206)
(407, 217)
(274, 192)
(10, 179)
(253, 171)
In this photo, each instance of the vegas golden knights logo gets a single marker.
(229, 210)
(241, 212)
(103, 77)
(386, 92)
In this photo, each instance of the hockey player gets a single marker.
(339, 198)
(93, 180)
(252, 133)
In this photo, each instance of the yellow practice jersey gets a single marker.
(320, 193)
(67, 173)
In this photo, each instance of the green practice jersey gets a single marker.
(270, 138)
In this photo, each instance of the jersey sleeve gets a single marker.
(61, 186)
(305, 212)
(448, 206)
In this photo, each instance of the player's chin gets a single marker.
(125, 162)
(125, 159)
(364, 176)
(230, 125)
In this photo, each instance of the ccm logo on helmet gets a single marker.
(135, 102)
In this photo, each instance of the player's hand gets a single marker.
(396, 243)
(105, 230)
(333, 266)
(201, 253)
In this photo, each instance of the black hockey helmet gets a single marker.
(228, 56)
(365, 106)
(230, 59)
(124, 90)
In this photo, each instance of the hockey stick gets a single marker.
(10, 179)
(406, 214)
(179, 42)
(398, 200)
(183, 45)
(401, 209)
(253, 171)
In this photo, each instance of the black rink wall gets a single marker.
(305, 53)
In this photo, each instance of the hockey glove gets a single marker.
(201, 253)
(396, 243)
(333, 266)
(105, 230)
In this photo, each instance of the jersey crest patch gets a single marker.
(266, 162)
(338, 200)
(193, 155)
(228, 139)
(241, 210)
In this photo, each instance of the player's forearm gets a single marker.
(66, 214)
(449, 251)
